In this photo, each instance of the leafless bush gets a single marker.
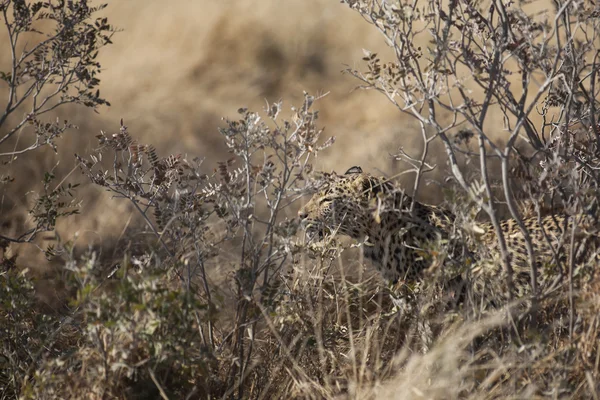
(453, 86)
(53, 45)
(537, 69)
(242, 200)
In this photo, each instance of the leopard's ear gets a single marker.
(380, 185)
(354, 170)
(372, 185)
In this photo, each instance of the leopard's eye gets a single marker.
(324, 200)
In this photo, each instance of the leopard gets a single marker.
(370, 209)
(395, 228)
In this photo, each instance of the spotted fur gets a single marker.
(363, 206)
(366, 207)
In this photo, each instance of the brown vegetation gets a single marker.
(166, 275)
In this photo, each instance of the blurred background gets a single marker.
(175, 69)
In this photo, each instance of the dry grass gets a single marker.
(324, 325)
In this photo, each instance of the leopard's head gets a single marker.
(345, 204)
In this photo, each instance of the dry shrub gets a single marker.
(289, 319)
(174, 73)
